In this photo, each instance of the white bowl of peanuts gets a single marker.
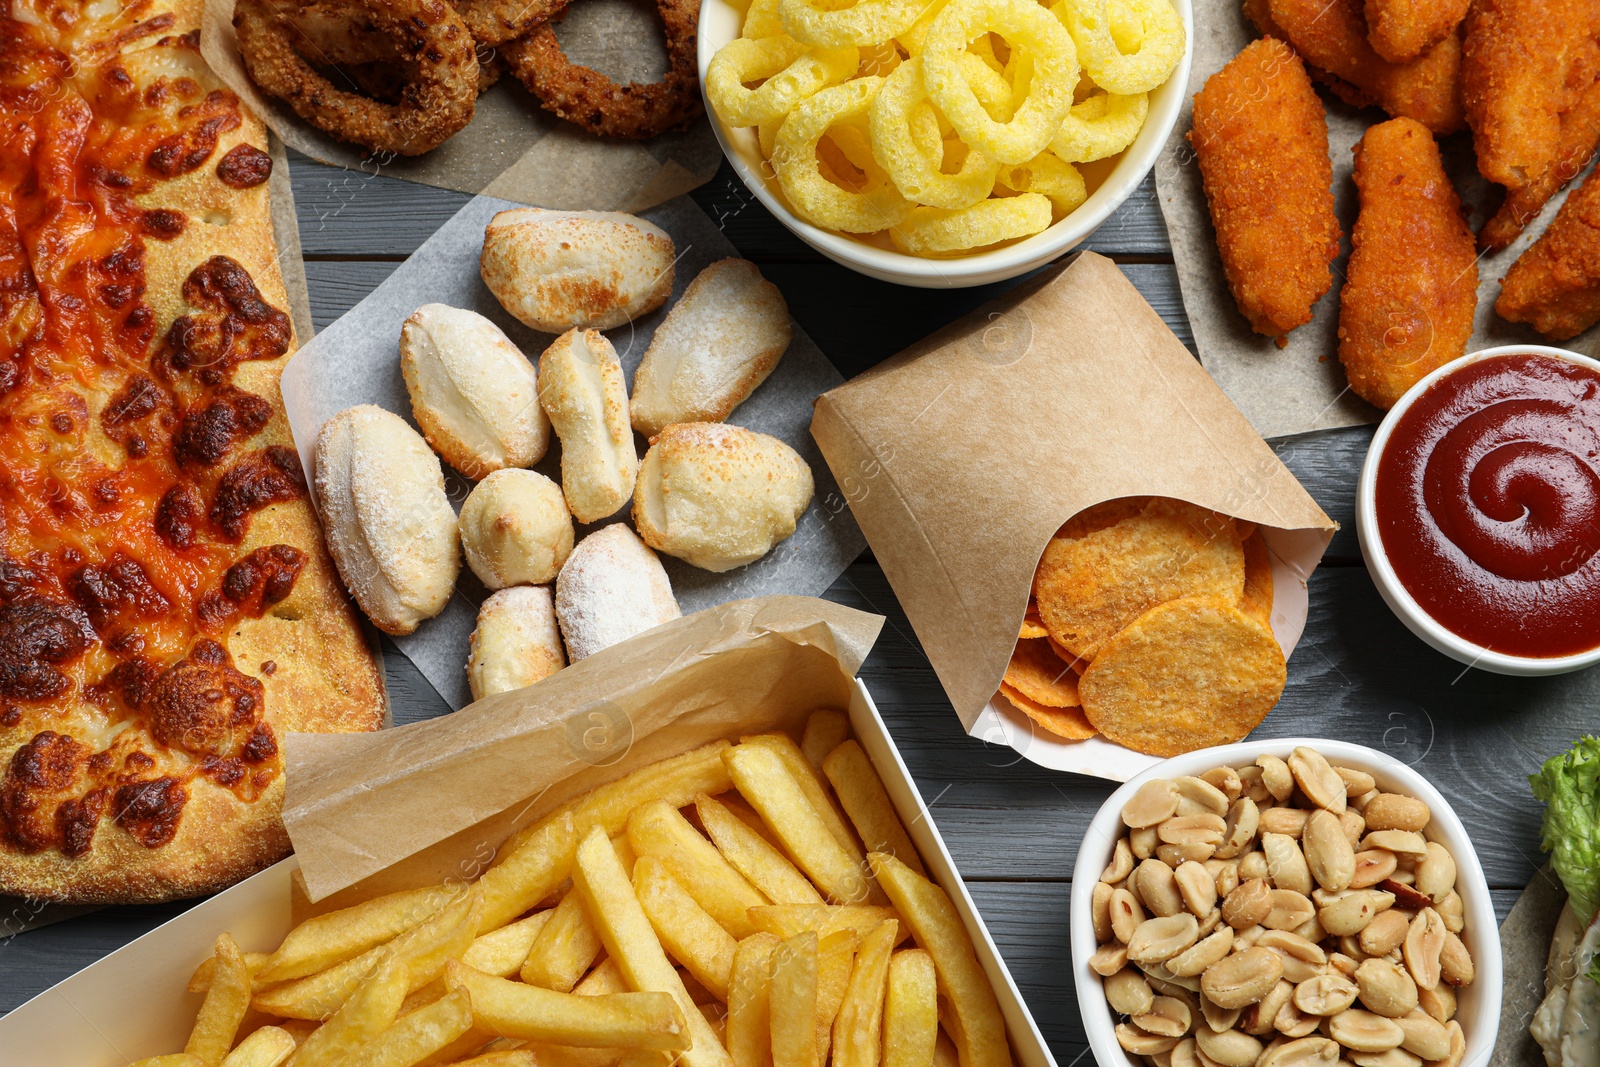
(1259, 936)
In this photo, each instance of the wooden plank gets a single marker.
(362, 213)
(338, 287)
(1328, 464)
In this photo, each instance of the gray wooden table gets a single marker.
(1357, 675)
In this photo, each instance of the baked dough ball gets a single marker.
(516, 643)
(556, 270)
(720, 340)
(473, 392)
(515, 529)
(611, 588)
(583, 390)
(718, 496)
(390, 528)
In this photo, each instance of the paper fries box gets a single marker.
(963, 455)
(434, 799)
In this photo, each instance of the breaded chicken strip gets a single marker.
(1412, 287)
(1261, 138)
(1555, 285)
(1332, 34)
(1401, 30)
(1259, 12)
(1530, 77)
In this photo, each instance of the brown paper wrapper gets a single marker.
(360, 804)
(513, 148)
(961, 457)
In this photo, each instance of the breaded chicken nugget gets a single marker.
(1408, 305)
(1259, 12)
(1530, 77)
(1555, 286)
(1401, 30)
(1332, 34)
(1261, 138)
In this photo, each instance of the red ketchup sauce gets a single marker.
(1488, 504)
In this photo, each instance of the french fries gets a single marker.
(616, 932)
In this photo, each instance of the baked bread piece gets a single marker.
(563, 270)
(583, 390)
(390, 526)
(516, 643)
(611, 588)
(167, 610)
(473, 392)
(515, 529)
(717, 344)
(719, 496)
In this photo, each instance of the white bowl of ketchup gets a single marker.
(1478, 510)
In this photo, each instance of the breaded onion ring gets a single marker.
(427, 35)
(598, 104)
(495, 22)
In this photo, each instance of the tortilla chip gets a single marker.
(1039, 674)
(1103, 516)
(1091, 586)
(1031, 626)
(1257, 600)
(1186, 675)
(1075, 662)
(1066, 723)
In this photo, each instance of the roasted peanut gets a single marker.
(1327, 851)
(1159, 939)
(1403, 843)
(1126, 914)
(1436, 872)
(1355, 782)
(1248, 937)
(1121, 864)
(1261, 1017)
(1244, 818)
(1218, 1018)
(1183, 1054)
(1439, 1002)
(1166, 1016)
(1385, 933)
(1425, 1036)
(1302, 959)
(1394, 811)
(1455, 962)
(1286, 864)
(1385, 988)
(1326, 994)
(1168, 984)
(1345, 965)
(1197, 888)
(1304, 1052)
(1312, 931)
(1252, 865)
(1242, 978)
(1394, 1057)
(1277, 776)
(1362, 1031)
(1109, 959)
(1253, 784)
(1292, 1022)
(1373, 865)
(1143, 842)
(1128, 993)
(1458, 1046)
(1423, 947)
(1185, 830)
(1202, 954)
(1405, 895)
(1289, 910)
(1210, 921)
(1158, 888)
(1177, 855)
(1354, 826)
(1360, 801)
(1453, 912)
(1100, 911)
(1196, 796)
(1152, 803)
(1226, 875)
(1317, 780)
(1248, 905)
(1225, 780)
(1230, 1048)
(1136, 1041)
(1351, 913)
(1287, 821)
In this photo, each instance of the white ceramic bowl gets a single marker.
(720, 21)
(1479, 1003)
(1394, 594)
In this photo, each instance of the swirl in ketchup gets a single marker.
(1488, 504)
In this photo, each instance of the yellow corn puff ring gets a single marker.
(876, 207)
(792, 71)
(932, 230)
(1159, 48)
(865, 22)
(989, 86)
(762, 20)
(1048, 174)
(1100, 126)
(912, 38)
(1026, 26)
(906, 143)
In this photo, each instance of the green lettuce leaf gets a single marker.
(1569, 785)
(1594, 972)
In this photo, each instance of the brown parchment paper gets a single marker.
(358, 804)
(513, 148)
(961, 457)
(1302, 387)
(1525, 948)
